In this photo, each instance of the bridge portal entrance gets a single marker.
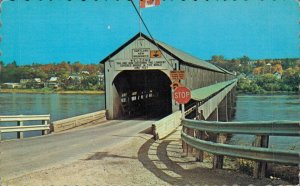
(144, 93)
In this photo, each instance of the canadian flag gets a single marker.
(149, 3)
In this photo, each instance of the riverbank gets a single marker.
(50, 91)
(268, 93)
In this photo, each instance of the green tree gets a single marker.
(90, 82)
(10, 73)
(217, 58)
(77, 67)
(245, 60)
(291, 77)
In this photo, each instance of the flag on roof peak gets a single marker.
(149, 3)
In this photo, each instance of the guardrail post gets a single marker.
(200, 135)
(229, 105)
(218, 159)
(199, 153)
(0, 135)
(20, 135)
(184, 145)
(260, 168)
(190, 132)
(44, 132)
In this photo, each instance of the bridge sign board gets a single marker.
(177, 74)
(182, 95)
(155, 54)
(176, 84)
(141, 53)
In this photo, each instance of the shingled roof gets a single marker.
(181, 56)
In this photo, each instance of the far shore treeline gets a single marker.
(263, 75)
(258, 76)
(60, 76)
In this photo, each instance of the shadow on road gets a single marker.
(102, 155)
(156, 157)
(164, 159)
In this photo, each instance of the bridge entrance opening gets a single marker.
(145, 93)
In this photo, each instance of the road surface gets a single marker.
(19, 157)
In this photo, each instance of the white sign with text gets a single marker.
(140, 64)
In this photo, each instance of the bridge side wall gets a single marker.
(197, 77)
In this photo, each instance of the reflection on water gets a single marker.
(266, 108)
(60, 106)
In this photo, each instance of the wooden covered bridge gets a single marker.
(138, 82)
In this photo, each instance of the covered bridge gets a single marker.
(137, 81)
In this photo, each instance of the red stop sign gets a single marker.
(182, 95)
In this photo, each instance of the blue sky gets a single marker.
(87, 31)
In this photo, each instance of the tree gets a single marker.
(291, 77)
(217, 58)
(257, 70)
(9, 73)
(65, 66)
(277, 68)
(260, 63)
(92, 69)
(101, 68)
(245, 60)
(90, 82)
(1, 69)
(77, 67)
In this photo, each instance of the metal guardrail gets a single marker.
(24, 128)
(13, 118)
(272, 128)
(258, 152)
(45, 127)
(279, 128)
(247, 152)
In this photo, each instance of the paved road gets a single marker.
(19, 157)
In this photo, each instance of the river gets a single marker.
(59, 106)
(266, 108)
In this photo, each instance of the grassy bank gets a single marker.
(50, 91)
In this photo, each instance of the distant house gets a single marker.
(24, 81)
(101, 77)
(32, 83)
(52, 82)
(277, 75)
(12, 85)
(74, 78)
(37, 80)
(53, 79)
(252, 63)
(84, 72)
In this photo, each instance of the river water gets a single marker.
(266, 108)
(59, 106)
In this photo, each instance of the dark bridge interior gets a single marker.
(145, 93)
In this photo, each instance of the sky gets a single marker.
(44, 31)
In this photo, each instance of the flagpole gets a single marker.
(140, 23)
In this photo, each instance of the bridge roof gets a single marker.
(174, 52)
(205, 92)
(188, 58)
